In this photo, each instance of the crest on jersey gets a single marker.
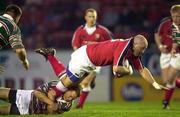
(97, 36)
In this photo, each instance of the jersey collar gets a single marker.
(8, 16)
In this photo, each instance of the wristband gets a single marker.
(156, 85)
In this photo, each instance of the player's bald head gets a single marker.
(140, 44)
(141, 40)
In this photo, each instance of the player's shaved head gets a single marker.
(14, 11)
(140, 44)
(141, 40)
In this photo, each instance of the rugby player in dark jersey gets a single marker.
(10, 34)
(23, 102)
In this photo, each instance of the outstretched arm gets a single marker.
(21, 53)
(146, 74)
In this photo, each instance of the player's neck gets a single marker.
(90, 25)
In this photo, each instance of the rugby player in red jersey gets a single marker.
(89, 33)
(112, 52)
(166, 35)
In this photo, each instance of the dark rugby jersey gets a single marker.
(36, 106)
(10, 34)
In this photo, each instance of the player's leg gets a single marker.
(5, 109)
(171, 85)
(178, 80)
(164, 64)
(171, 81)
(86, 88)
(78, 68)
(10, 96)
(168, 93)
(49, 54)
(4, 95)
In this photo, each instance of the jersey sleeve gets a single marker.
(15, 39)
(76, 40)
(160, 29)
(107, 34)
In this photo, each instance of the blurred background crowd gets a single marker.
(51, 23)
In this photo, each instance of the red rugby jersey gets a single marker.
(165, 31)
(113, 52)
(81, 37)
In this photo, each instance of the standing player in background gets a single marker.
(89, 33)
(10, 34)
(164, 40)
(86, 34)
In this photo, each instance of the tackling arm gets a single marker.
(51, 106)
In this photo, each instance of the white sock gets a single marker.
(61, 87)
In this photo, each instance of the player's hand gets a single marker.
(2, 69)
(163, 48)
(65, 105)
(128, 66)
(173, 52)
(26, 64)
(158, 86)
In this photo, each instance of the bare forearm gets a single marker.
(21, 53)
(42, 97)
(121, 70)
(145, 73)
(157, 39)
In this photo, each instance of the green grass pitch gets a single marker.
(119, 109)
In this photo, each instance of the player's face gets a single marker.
(70, 95)
(90, 18)
(176, 18)
(138, 49)
(17, 19)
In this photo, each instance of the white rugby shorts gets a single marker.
(23, 98)
(165, 59)
(80, 63)
(175, 61)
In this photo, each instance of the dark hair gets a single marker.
(76, 88)
(14, 9)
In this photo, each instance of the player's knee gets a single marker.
(165, 81)
(171, 85)
(85, 84)
(86, 89)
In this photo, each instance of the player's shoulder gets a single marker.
(166, 20)
(80, 27)
(102, 27)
